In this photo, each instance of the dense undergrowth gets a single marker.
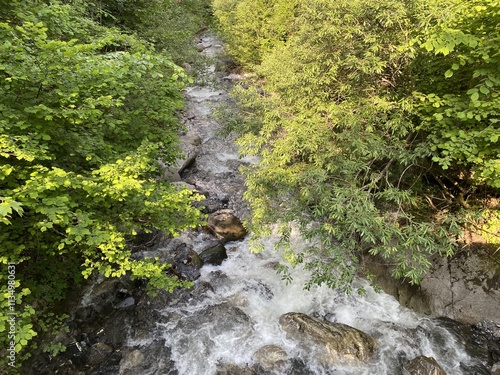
(376, 124)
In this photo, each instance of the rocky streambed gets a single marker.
(240, 317)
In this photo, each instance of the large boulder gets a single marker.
(335, 342)
(190, 145)
(423, 365)
(229, 319)
(226, 226)
(465, 287)
(132, 359)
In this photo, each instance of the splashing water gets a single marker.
(241, 315)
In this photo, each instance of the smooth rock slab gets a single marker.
(335, 342)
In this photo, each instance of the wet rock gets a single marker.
(180, 297)
(271, 359)
(491, 332)
(217, 279)
(335, 342)
(226, 226)
(214, 255)
(465, 287)
(298, 368)
(182, 185)
(476, 369)
(100, 297)
(424, 366)
(189, 144)
(203, 46)
(475, 340)
(94, 320)
(260, 288)
(127, 302)
(98, 353)
(231, 369)
(187, 263)
(106, 330)
(212, 204)
(154, 358)
(238, 301)
(110, 366)
(228, 317)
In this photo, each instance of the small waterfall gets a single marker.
(243, 298)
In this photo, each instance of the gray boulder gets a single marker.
(335, 342)
(232, 369)
(190, 145)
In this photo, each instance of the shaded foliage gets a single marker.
(169, 24)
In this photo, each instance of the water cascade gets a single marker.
(239, 312)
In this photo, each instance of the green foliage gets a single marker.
(241, 114)
(459, 105)
(252, 28)
(490, 225)
(54, 326)
(169, 24)
(345, 117)
(85, 113)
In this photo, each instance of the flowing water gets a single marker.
(249, 283)
(239, 311)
